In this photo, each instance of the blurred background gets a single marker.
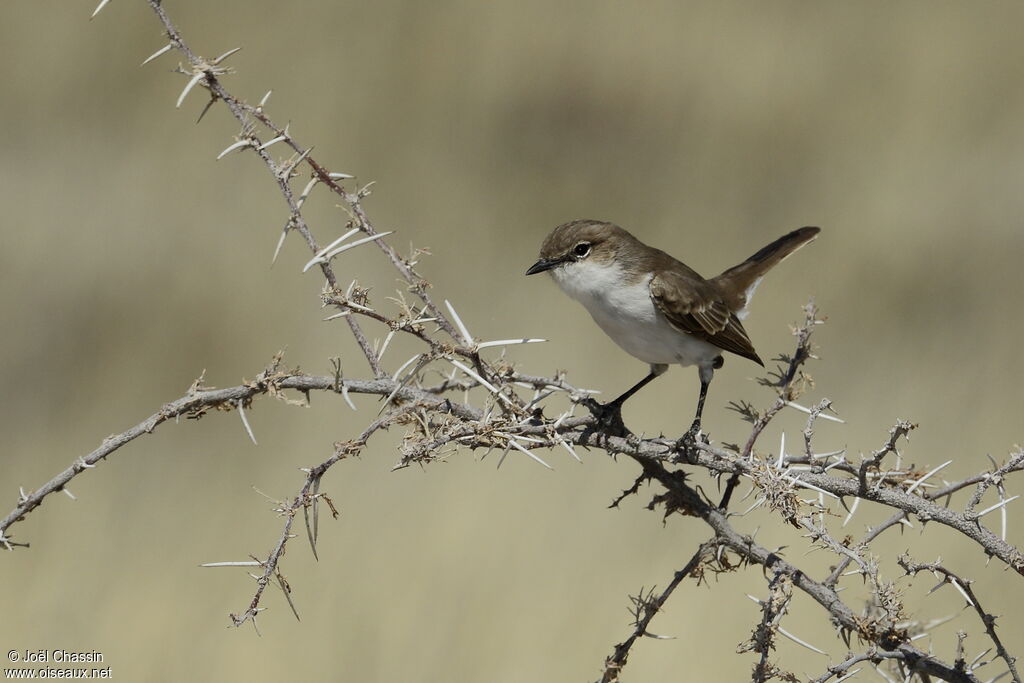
(131, 261)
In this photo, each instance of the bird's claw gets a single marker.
(686, 446)
(608, 416)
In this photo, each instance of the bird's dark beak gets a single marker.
(542, 265)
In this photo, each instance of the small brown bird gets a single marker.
(656, 308)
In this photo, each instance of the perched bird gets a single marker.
(656, 308)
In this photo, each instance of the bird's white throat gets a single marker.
(621, 305)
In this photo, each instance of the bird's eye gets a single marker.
(581, 249)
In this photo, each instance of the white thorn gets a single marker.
(565, 444)
(956, 584)
(1002, 512)
(520, 437)
(295, 164)
(103, 3)
(484, 383)
(68, 493)
(853, 508)
(340, 176)
(191, 84)
(233, 146)
(359, 307)
(245, 421)
(226, 55)
(840, 461)
(348, 399)
(384, 346)
(401, 385)
(246, 563)
(317, 257)
(270, 142)
(345, 247)
(508, 342)
(782, 452)
(264, 100)
(165, 49)
(998, 505)
(337, 315)
(799, 642)
(394, 378)
(516, 446)
(305, 192)
(466, 336)
(917, 483)
(822, 415)
(280, 243)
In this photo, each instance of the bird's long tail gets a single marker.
(741, 280)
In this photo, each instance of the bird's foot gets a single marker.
(686, 446)
(608, 416)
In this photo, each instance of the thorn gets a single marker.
(466, 336)
(272, 141)
(344, 248)
(316, 257)
(191, 84)
(246, 142)
(285, 173)
(103, 3)
(508, 342)
(305, 192)
(956, 584)
(996, 506)
(384, 346)
(403, 366)
(823, 416)
(164, 50)
(920, 481)
(800, 642)
(245, 421)
(348, 399)
(484, 383)
(226, 55)
(853, 508)
(280, 243)
(213, 98)
(516, 446)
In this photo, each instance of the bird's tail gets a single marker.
(740, 281)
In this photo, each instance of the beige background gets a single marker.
(131, 261)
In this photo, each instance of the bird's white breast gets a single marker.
(626, 313)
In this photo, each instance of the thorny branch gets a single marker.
(964, 587)
(475, 402)
(645, 606)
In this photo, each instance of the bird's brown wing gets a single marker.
(695, 306)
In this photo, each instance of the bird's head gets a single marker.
(572, 245)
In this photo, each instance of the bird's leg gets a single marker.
(609, 415)
(704, 384)
(688, 443)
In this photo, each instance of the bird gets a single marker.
(655, 307)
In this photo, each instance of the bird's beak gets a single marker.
(543, 264)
